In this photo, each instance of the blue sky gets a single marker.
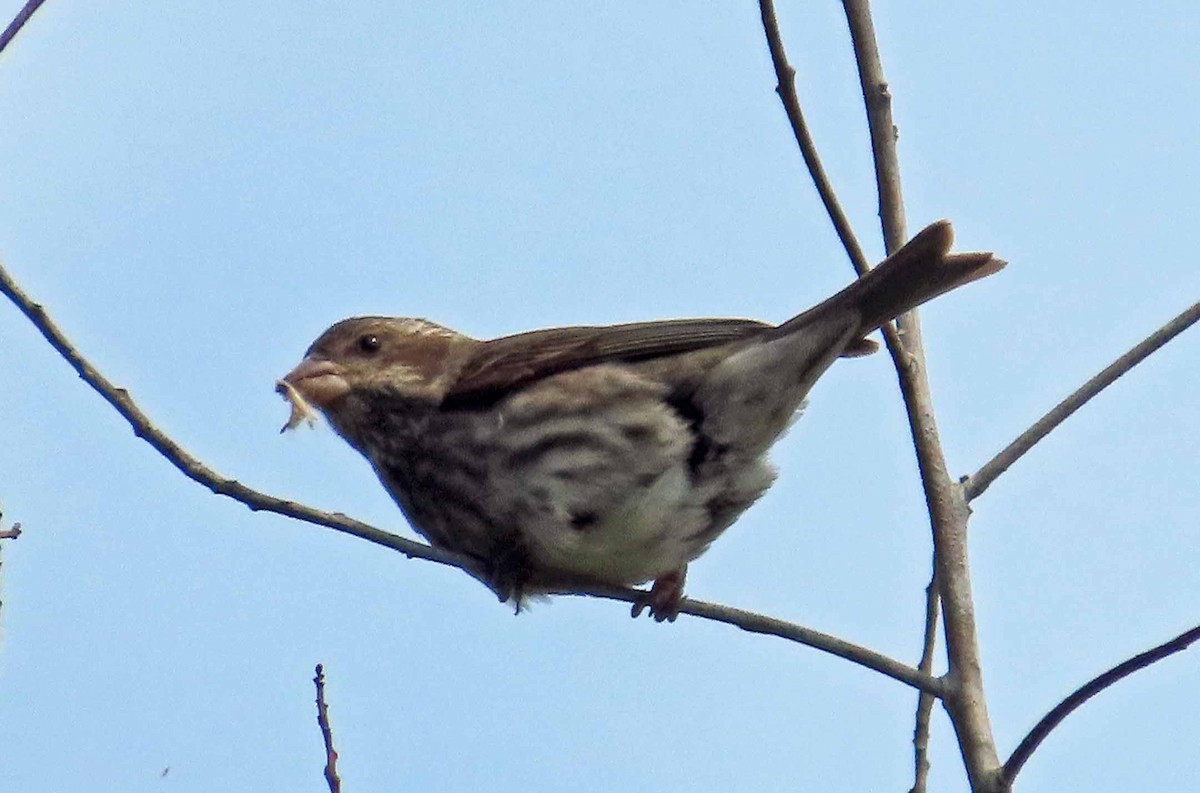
(195, 192)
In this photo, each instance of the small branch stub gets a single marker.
(331, 755)
(11, 533)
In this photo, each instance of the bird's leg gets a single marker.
(664, 597)
(509, 572)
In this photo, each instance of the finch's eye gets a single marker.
(369, 343)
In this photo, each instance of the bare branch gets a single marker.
(983, 478)
(758, 623)
(964, 699)
(1030, 742)
(197, 471)
(878, 100)
(786, 89)
(924, 699)
(19, 21)
(200, 473)
(331, 755)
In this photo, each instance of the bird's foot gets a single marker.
(664, 597)
(508, 574)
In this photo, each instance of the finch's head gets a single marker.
(408, 358)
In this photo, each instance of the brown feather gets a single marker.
(503, 364)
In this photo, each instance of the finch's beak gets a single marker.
(319, 381)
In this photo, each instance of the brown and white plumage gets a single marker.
(613, 454)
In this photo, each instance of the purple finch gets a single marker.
(596, 454)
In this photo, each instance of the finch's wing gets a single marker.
(500, 365)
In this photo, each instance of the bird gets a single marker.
(610, 455)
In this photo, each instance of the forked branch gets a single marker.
(965, 699)
(964, 696)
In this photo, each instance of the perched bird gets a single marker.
(596, 454)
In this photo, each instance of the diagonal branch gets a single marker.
(14, 27)
(786, 89)
(1030, 742)
(983, 478)
(197, 471)
(201, 474)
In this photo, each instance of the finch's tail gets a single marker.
(920, 271)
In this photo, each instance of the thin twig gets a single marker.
(198, 472)
(786, 88)
(18, 22)
(924, 699)
(331, 755)
(965, 699)
(1030, 742)
(983, 478)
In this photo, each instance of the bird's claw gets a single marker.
(663, 599)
